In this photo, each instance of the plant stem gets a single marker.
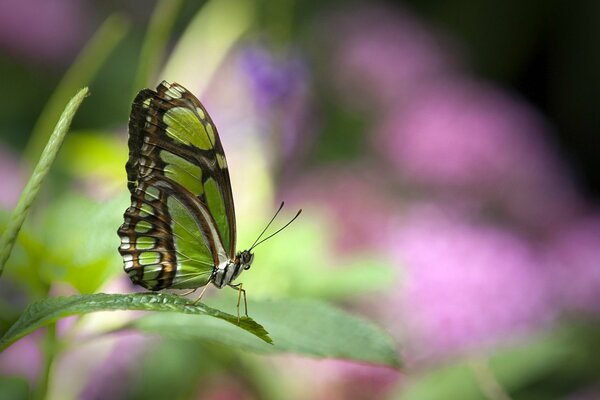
(50, 347)
(489, 385)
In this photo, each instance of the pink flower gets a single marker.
(463, 136)
(466, 285)
(42, 29)
(574, 254)
(385, 53)
(23, 358)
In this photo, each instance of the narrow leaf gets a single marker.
(41, 169)
(212, 33)
(46, 311)
(157, 35)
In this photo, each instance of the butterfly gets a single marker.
(179, 231)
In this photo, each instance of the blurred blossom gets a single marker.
(110, 379)
(574, 254)
(279, 86)
(273, 80)
(466, 285)
(43, 30)
(336, 379)
(466, 136)
(23, 358)
(384, 53)
(13, 179)
(224, 388)
(354, 198)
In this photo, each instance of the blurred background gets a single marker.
(446, 156)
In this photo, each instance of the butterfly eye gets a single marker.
(247, 259)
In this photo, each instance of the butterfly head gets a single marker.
(245, 258)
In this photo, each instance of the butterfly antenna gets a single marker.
(279, 230)
(267, 227)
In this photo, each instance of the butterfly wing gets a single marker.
(181, 223)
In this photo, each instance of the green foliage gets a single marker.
(94, 156)
(307, 327)
(46, 311)
(33, 185)
(13, 389)
(315, 273)
(541, 367)
(91, 226)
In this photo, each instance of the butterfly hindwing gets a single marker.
(181, 223)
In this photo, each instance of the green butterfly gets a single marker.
(179, 231)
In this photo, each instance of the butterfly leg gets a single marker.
(201, 294)
(188, 292)
(241, 292)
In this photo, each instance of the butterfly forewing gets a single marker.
(181, 223)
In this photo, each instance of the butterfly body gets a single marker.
(229, 271)
(179, 231)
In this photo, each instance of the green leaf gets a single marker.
(46, 311)
(99, 155)
(552, 363)
(65, 232)
(14, 388)
(39, 173)
(306, 327)
(157, 35)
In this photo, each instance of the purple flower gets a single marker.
(42, 29)
(23, 358)
(273, 80)
(574, 254)
(279, 86)
(466, 285)
(463, 136)
(109, 380)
